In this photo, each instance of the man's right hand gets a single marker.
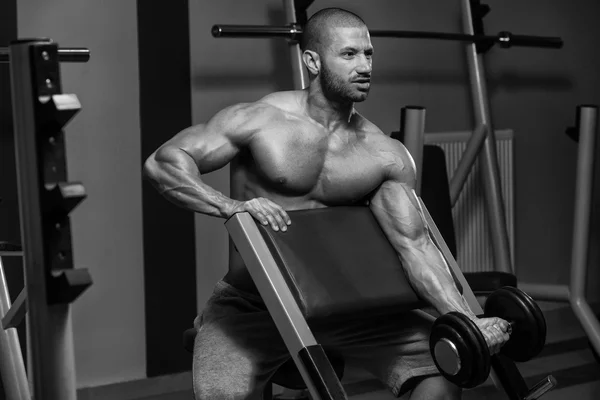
(495, 331)
(265, 211)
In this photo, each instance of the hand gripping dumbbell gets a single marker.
(459, 349)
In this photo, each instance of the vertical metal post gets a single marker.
(12, 367)
(489, 158)
(467, 160)
(53, 367)
(298, 69)
(587, 122)
(412, 123)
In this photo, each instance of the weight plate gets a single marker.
(470, 345)
(528, 335)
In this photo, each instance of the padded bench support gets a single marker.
(289, 319)
(317, 372)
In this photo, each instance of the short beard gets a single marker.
(336, 89)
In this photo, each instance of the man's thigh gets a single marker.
(237, 348)
(395, 349)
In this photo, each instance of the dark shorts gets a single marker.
(238, 347)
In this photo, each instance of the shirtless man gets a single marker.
(300, 150)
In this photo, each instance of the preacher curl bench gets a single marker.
(336, 264)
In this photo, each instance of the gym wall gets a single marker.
(103, 151)
(533, 91)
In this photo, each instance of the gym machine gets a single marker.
(296, 14)
(477, 43)
(40, 111)
(584, 133)
(305, 277)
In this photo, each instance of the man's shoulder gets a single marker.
(367, 128)
(267, 108)
(283, 101)
(376, 137)
(254, 113)
(392, 153)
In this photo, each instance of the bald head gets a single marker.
(316, 35)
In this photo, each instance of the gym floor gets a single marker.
(567, 356)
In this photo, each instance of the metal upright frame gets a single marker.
(299, 72)
(40, 111)
(574, 292)
(12, 365)
(71, 54)
(482, 143)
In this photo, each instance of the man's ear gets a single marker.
(312, 61)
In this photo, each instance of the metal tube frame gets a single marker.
(70, 54)
(12, 366)
(489, 159)
(299, 71)
(412, 122)
(292, 30)
(17, 311)
(467, 160)
(574, 292)
(588, 129)
(52, 370)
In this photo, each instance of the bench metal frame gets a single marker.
(280, 302)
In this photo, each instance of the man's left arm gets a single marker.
(397, 209)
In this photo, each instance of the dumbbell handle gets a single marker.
(511, 323)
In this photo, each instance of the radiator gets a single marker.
(474, 246)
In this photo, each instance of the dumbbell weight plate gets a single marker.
(529, 328)
(470, 346)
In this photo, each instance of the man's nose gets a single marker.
(365, 65)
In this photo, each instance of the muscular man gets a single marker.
(306, 149)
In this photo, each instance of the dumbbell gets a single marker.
(459, 349)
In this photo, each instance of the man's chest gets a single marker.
(328, 168)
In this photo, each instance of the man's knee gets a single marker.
(208, 389)
(436, 388)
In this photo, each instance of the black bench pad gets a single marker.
(339, 263)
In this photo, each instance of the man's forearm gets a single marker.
(429, 276)
(176, 177)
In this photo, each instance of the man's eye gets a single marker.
(348, 54)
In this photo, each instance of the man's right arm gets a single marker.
(176, 167)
